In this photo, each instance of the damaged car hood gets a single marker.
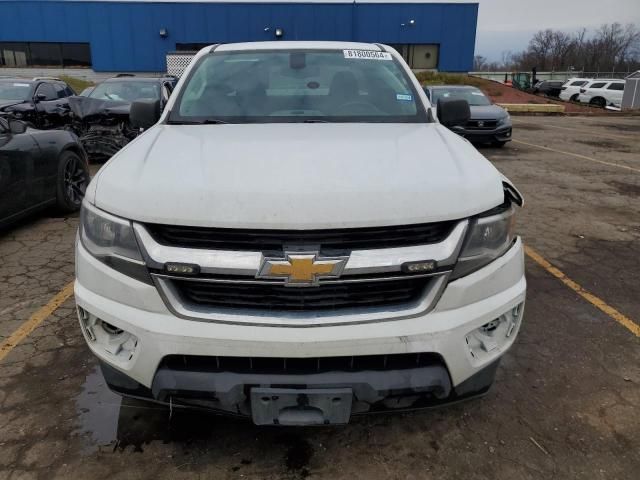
(10, 103)
(85, 107)
(297, 176)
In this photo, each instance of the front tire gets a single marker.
(598, 102)
(73, 178)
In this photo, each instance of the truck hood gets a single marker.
(297, 176)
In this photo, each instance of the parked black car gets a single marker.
(41, 102)
(489, 123)
(101, 118)
(39, 169)
(551, 88)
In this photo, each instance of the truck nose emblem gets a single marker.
(301, 269)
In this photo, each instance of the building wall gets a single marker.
(124, 36)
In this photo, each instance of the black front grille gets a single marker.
(280, 365)
(482, 124)
(265, 240)
(278, 297)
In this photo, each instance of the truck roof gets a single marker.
(290, 45)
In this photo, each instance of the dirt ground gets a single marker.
(501, 93)
(566, 403)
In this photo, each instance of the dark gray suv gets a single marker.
(489, 123)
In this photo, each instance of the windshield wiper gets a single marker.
(209, 121)
(314, 120)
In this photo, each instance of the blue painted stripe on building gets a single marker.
(124, 36)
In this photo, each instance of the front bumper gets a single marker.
(501, 134)
(134, 354)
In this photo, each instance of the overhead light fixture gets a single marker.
(279, 32)
(164, 33)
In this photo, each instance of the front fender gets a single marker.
(512, 192)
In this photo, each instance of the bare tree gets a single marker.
(507, 60)
(611, 47)
(479, 63)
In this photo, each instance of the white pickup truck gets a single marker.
(297, 238)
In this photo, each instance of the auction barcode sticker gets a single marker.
(367, 55)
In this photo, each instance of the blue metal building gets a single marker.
(135, 35)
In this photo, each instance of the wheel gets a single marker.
(574, 97)
(598, 102)
(73, 178)
(498, 144)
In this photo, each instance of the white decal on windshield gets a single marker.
(367, 55)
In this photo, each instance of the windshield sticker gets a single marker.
(20, 84)
(403, 97)
(367, 55)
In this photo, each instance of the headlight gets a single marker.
(504, 120)
(111, 240)
(489, 237)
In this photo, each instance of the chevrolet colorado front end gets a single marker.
(298, 239)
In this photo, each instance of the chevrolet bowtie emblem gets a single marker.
(303, 269)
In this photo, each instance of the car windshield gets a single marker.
(473, 96)
(126, 90)
(298, 86)
(14, 91)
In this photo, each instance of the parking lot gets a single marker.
(566, 403)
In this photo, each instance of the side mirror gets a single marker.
(40, 97)
(453, 113)
(144, 113)
(17, 127)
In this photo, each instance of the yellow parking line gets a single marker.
(36, 319)
(577, 155)
(600, 304)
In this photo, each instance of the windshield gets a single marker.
(126, 91)
(472, 95)
(14, 91)
(298, 86)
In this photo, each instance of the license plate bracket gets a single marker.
(283, 406)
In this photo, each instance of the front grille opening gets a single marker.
(482, 124)
(270, 297)
(256, 240)
(281, 365)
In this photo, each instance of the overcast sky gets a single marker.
(508, 24)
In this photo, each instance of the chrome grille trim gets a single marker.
(322, 281)
(360, 262)
(241, 267)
